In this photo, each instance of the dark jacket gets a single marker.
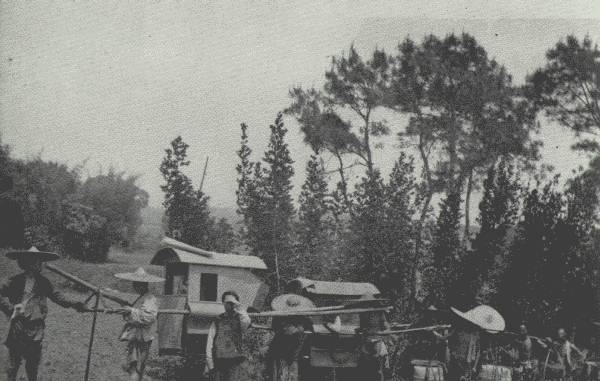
(11, 293)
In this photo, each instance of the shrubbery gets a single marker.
(65, 214)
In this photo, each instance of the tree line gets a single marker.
(63, 212)
(533, 252)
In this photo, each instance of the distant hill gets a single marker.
(228, 213)
(152, 217)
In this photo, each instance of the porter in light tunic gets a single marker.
(140, 322)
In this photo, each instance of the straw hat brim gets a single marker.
(133, 277)
(281, 303)
(485, 317)
(44, 256)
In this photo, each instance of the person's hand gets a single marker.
(238, 307)
(18, 310)
(80, 307)
(126, 310)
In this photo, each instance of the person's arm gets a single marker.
(244, 318)
(580, 353)
(5, 305)
(60, 298)
(145, 315)
(212, 331)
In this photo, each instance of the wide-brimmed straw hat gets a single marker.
(484, 317)
(140, 275)
(33, 252)
(291, 302)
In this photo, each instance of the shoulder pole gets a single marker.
(89, 354)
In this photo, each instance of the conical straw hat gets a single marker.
(44, 256)
(291, 302)
(484, 317)
(140, 275)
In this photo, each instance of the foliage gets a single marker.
(48, 194)
(447, 253)
(568, 87)
(87, 235)
(265, 202)
(279, 209)
(368, 229)
(498, 213)
(44, 190)
(402, 200)
(187, 209)
(314, 227)
(550, 277)
(223, 236)
(354, 86)
(115, 197)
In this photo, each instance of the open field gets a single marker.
(67, 332)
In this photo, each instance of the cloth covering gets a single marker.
(137, 354)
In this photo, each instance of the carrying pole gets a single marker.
(89, 354)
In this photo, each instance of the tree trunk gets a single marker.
(415, 272)
(467, 231)
(343, 182)
(367, 145)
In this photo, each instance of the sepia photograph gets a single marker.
(205, 190)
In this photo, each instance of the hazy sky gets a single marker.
(113, 82)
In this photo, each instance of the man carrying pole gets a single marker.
(24, 300)
(140, 321)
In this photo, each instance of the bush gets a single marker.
(86, 234)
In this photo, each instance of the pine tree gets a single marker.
(245, 171)
(279, 208)
(265, 202)
(314, 225)
(188, 215)
(532, 285)
(498, 212)
(400, 209)
(446, 250)
(368, 234)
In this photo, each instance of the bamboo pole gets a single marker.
(89, 286)
(334, 310)
(91, 343)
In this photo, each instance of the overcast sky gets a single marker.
(113, 82)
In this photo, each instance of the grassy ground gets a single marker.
(67, 332)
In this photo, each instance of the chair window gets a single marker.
(177, 279)
(208, 287)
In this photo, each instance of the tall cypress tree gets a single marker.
(532, 285)
(446, 250)
(400, 208)
(314, 222)
(188, 216)
(368, 236)
(277, 210)
(498, 212)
